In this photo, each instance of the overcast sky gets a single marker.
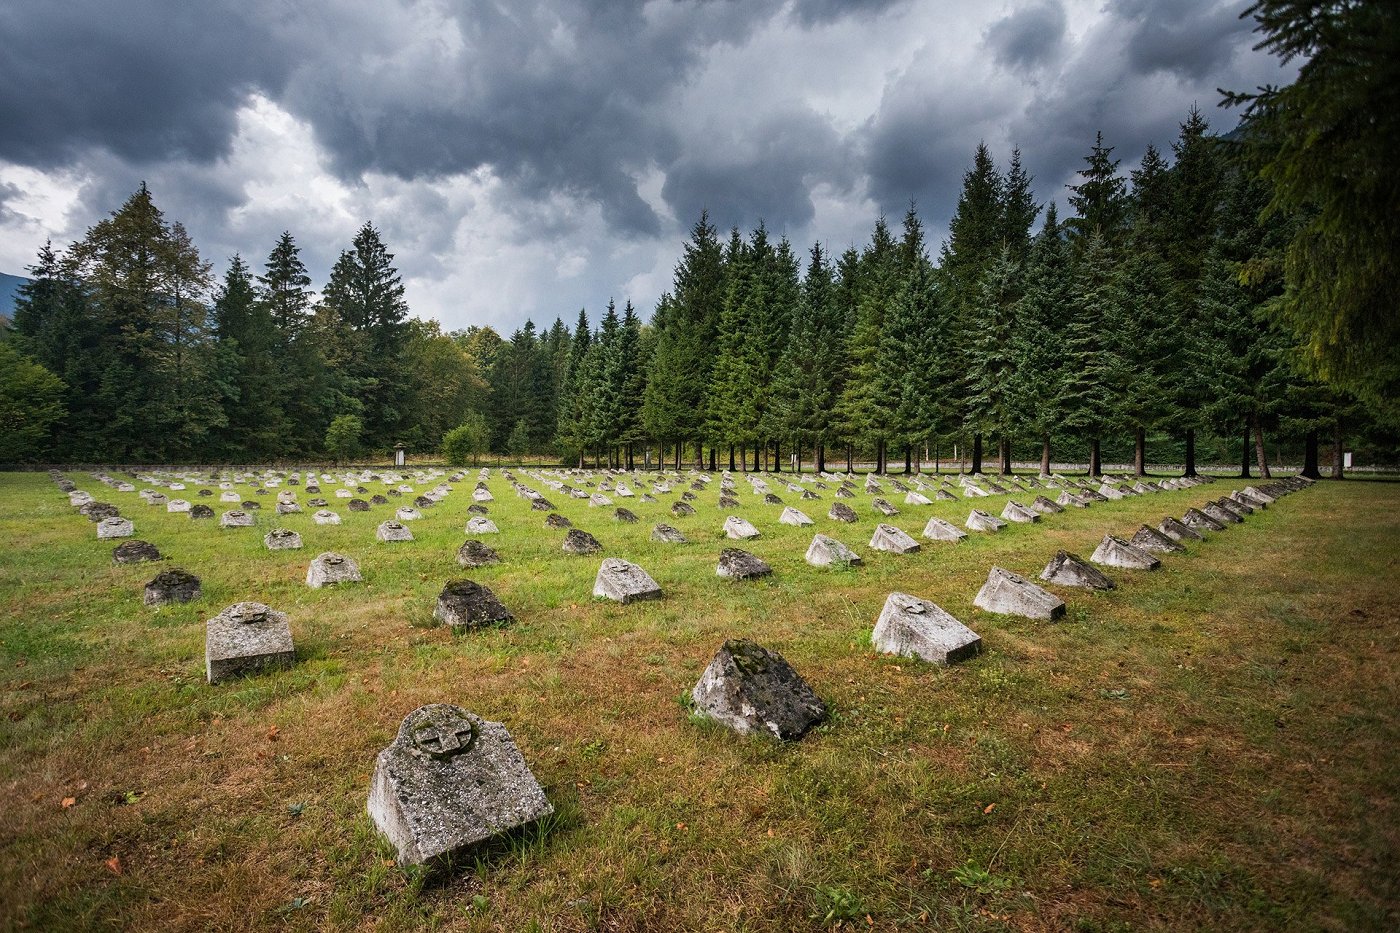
(526, 158)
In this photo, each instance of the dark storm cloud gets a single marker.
(818, 12)
(1191, 38)
(1028, 37)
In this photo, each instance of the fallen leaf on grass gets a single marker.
(68, 802)
(272, 733)
(114, 864)
(989, 808)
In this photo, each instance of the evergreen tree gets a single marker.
(1100, 201)
(1039, 340)
(808, 374)
(256, 386)
(1092, 366)
(992, 362)
(863, 409)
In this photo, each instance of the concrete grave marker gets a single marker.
(115, 527)
(482, 526)
(246, 637)
(1068, 569)
(938, 529)
(753, 690)
(792, 516)
(1177, 531)
(740, 565)
(172, 586)
(914, 627)
(978, 520)
(474, 553)
(393, 531)
(1008, 593)
(1150, 539)
(331, 569)
(738, 528)
(282, 539)
(578, 541)
(825, 551)
(1115, 552)
(466, 604)
(135, 552)
(325, 517)
(893, 540)
(842, 512)
(624, 582)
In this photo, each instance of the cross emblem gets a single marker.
(443, 736)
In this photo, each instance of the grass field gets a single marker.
(1213, 745)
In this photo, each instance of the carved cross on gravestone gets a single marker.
(443, 736)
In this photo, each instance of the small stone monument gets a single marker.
(917, 498)
(555, 520)
(201, 511)
(482, 526)
(407, 514)
(135, 552)
(753, 690)
(235, 518)
(449, 782)
(115, 527)
(96, 511)
(841, 512)
(358, 505)
(682, 509)
(914, 627)
(1150, 539)
(1046, 506)
(1016, 512)
(393, 531)
(246, 637)
(740, 565)
(825, 551)
(578, 541)
(282, 539)
(792, 516)
(626, 516)
(738, 528)
(466, 604)
(1200, 521)
(1177, 531)
(330, 569)
(668, 535)
(883, 507)
(938, 529)
(624, 582)
(893, 540)
(325, 517)
(1115, 552)
(172, 586)
(474, 553)
(978, 520)
(1068, 569)
(1008, 593)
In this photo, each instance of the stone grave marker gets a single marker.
(1008, 593)
(626, 516)
(751, 690)
(246, 637)
(668, 535)
(135, 552)
(325, 517)
(624, 582)
(393, 531)
(916, 628)
(739, 529)
(172, 586)
(475, 553)
(1177, 531)
(842, 512)
(825, 551)
(555, 520)
(1068, 569)
(893, 540)
(578, 541)
(792, 516)
(331, 569)
(115, 527)
(938, 529)
(978, 520)
(1200, 521)
(282, 539)
(1150, 539)
(1115, 552)
(201, 511)
(740, 565)
(480, 525)
(466, 604)
(1015, 512)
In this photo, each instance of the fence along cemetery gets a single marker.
(452, 781)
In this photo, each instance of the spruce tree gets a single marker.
(1038, 343)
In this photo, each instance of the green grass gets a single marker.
(1213, 745)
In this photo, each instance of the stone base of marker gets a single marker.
(1177, 531)
(841, 512)
(201, 511)
(555, 520)
(1008, 593)
(1046, 507)
(1015, 512)
(331, 569)
(449, 782)
(578, 541)
(1150, 539)
(893, 540)
(682, 509)
(914, 627)
(1068, 569)
(476, 554)
(235, 518)
(482, 526)
(624, 582)
(740, 565)
(978, 520)
(1200, 521)
(825, 551)
(282, 539)
(393, 531)
(626, 516)
(1115, 552)
(668, 535)
(246, 637)
(325, 517)
(739, 529)
(172, 586)
(115, 527)
(753, 690)
(467, 604)
(793, 517)
(939, 530)
(135, 552)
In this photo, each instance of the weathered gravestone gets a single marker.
(842, 512)
(938, 529)
(668, 535)
(325, 517)
(792, 516)
(1046, 507)
(135, 552)
(235, 518)
(1177, 531)
(96, 511)
(474, 553)
(1016, 512)
(449, 782)
(478, 510)
(555, 520)
(466, 604)
(246, 637)
(1008, 593)
(753, 690)
(738, 528)
(115, 527)
(825, 551)
(200, 512)
(479, 525)
(978, 520)
(682, 509)
(250, 505)
(407, 514)
(893, 540)
(626, 516)
(578, 541)
(624, 582)
(1068, 569)
(1200, 521)
(1115, 552)
(282, 539)
(393, 531)
(331, 569)
(883, 507)
(358, 505)
(740, 565)
(172, 586)
(914, 627)
(1150, 539)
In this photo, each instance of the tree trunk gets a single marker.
(1045, 454)
(976, 454)
(1140, 451)
(962, 458)
(1259, 453)
(1004, 455)
(699, 455)
(908, 460)
(1190, 453)
(731, 458)
(850, 458)
(936, 463)
(1244, 452)
(777, 456)
(631, 465)
(1338, 460)
(1310, 469)
(821, 458)
(1095, 459)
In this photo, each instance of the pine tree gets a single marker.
(1100, 201)
(570, 435)
(1093, 368)
(256, 384)
(992, 362)
(863, 409)
(1039, 341)
(805, 383)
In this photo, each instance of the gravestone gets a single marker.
(845, 492)
(135, 552)
(1115, 552)
(480, 525)
(1237, 505)
(578, 541)
(917, 498)
(378, 500)
(624, 582)
(808, 495)
(978, 520)
(938, 529)
(282, 539)
(793, 517)
(287, 508)
(474, 553)
(235, 518)
(1222, 514)
(449, 782)
(172, 586)
(753, 690)
(1177, 531)
(1150, 539)
(555, 520)
(825, 551)
(1200, 521)
(325, 517)
(1007, 593)
(478, 510)
(358, 505)
(541, 505)
(1070, 500)
(682, 509)
(250, 505)
(728, 502)
(668, 535)
(893, 540)
(1068, 569)
(1015, 512)
(842, 512)
(393, 531)
(482, 495)
(331, 569)
(626, 516)
(598, 501)
(916, 628)
(201, 511)
(96, 511)
(466, 604)
(739, 529)
(246, 637)
(740, 565)
(407, 514)
(944, 495)
(883, 507)
(115, 527)
(1046, 507)
(770, 499)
